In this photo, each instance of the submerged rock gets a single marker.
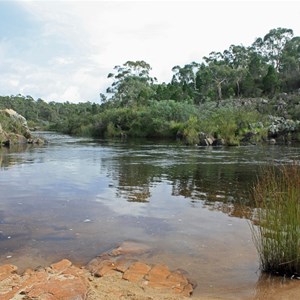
(129, 247)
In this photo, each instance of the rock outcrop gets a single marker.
(157, 276)
(111, 275)
(61, 280)
(14, 129)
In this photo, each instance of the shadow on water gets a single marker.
(76, 198)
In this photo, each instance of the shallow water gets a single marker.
(78, 197)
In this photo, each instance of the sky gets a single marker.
(63, 50)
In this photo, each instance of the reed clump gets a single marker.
(276, 223)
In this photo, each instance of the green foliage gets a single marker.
(231, 123)
(132, 84)
(277, 233)
(271, 82)
(191, 131)
(158, 119)
(9, 124)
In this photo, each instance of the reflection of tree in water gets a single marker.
(237, 210)
(135, 177)
(212, 183)
(135, 194)
(224, 187)
(6, 160)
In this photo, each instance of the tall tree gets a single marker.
(219, 71)
(271, 82)
(237, 57)
(132, 83)
(290, 66)
(272, 44)
(185, 77)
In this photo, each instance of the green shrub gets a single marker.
(191, 131)
(157, 119)
(232, 123)
(111, 130)
(277, 233)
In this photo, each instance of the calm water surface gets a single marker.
(77, 197)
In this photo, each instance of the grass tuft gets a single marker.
(276, 229)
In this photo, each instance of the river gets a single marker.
(76, 198)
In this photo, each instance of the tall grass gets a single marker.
(277, 233)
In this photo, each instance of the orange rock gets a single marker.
(6, 271)
(105, 269)
(74, 271)
(160, 277)
(61, 265)
(122, 265)
(178, 279)
(22, 282)
(136, 272)
(58, 289)
(158, 273)
(98, 267)
(63, 281)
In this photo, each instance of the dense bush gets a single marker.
(157, 119)
(233, 123)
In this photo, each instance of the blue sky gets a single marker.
(63, 50)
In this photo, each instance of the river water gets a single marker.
(76, 198)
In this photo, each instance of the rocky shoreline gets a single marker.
(113, 275)
(14, 130)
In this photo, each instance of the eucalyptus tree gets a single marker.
(271, 46)
(271, 83)
(218, 72)
(185, 78)
(290, 65)
(237, 57)
(132, 83)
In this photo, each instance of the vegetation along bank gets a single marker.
(239, 96)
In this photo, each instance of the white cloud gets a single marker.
(62, 61)
(71, 93)
(13, 82)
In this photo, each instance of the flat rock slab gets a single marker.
(60, 281)
(108, 276)
(145, 275)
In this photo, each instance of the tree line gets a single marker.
(269, 66)
(198, 97)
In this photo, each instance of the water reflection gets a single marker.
(208, 175)
(7, 160)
